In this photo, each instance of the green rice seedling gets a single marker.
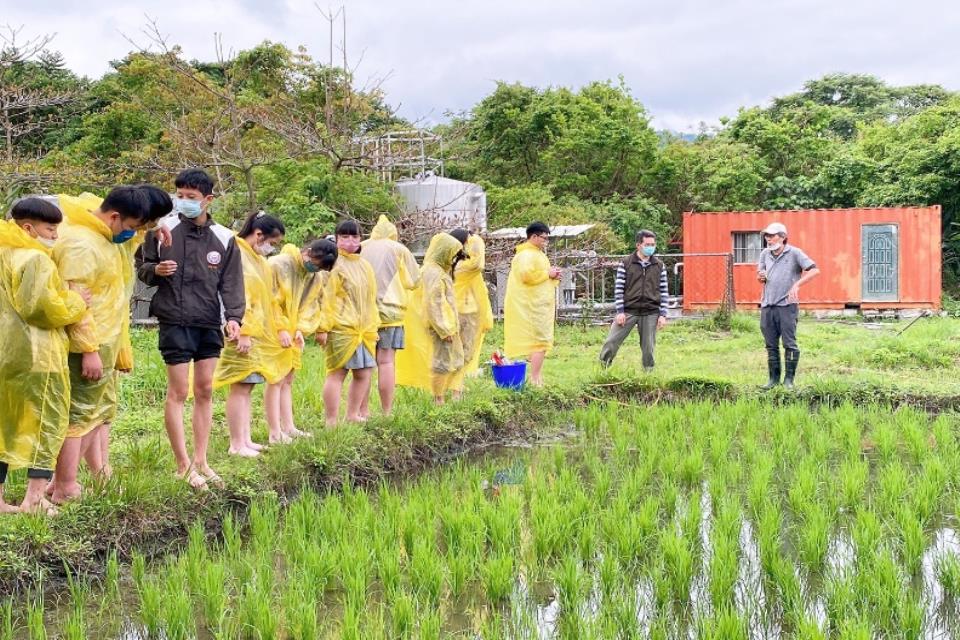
(768, 536)
(723, 570)
(691, 469)
(840, 601)
(678, 557)
(787, 584)
(258, 615)
(493, 627)
(350, 624)
(6, 619)
(460, 570)
(572, 584)
(498, 577)
(726, 624)
(623, 610)
(814, 536)
(151, 603)
(853, 475)
(111, 575)
(609, 575)
(232, 541)
(388, 569)
(856, 629)
(319, 566)
(426, 573)
(264, 519)
(176, 609)
(36, 628)
(866, 533)
(803, 488)
(138, 569)
(809, 629)
(928, 490)
(910, 618)
(670, 494)
(213, 594)
(354, 574)
(402, 616)
(948, 573)
(73, 627)
(300, 613)
(692, 519)
(892, 486)
(913, 540)
(590, 419)
(884, 437)
(758, 492)
(431, 624)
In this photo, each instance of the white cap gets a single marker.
(774, 228)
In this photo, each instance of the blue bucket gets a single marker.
(509, 376)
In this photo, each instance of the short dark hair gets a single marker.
(129, 202)
(645, 233)
(324, 251)
(537, 228)
(159, 201)
(36, 209)
(460, 234)
(348, 228)
(264, 223)
(194, 179)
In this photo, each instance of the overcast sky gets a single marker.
(687, 61)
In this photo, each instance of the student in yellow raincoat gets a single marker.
(258, 354)
(531, 302)
(299, 277)
(35, 306)
(397, 272)
(473, 303)
(439, 313)
(90, 260)
(348, 325)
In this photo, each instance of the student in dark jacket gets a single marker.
(640, 297)
(199, 282)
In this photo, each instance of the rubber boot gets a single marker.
(792, 360)
(773, 367)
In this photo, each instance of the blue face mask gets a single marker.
(123, 236)
(649, 251)
(189, 208)
(310, 267)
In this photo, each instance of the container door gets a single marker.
(880, 262)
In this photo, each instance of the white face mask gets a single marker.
(47, 242)
(266, 249)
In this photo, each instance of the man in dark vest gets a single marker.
(640, 296)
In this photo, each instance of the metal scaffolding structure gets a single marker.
(403, 154)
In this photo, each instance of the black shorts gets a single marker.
(179, 345)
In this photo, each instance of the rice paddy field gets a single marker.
(591, 512)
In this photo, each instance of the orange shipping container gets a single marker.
(880, 258)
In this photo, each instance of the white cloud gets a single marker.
(686, 60)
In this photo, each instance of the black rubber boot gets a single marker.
(773, 367)
(793, 359)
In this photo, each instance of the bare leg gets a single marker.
(536, 368)
(331, 395)
(91, 451)
(238, 419)
(438, 382)
(386, 379)
(65, 485)
(203, 415)
(359, 389)
(4, 507)
(287, 420)
(106, 469)
(271, 407)
(178, 376)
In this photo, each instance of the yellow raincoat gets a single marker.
(262, 322)
(88, 259)
(395, 270)
(349, 314)
(35, 306)
(530, 304)
(473, 302)
(427, 352)
(298, 293)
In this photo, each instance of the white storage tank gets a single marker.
(447, 203)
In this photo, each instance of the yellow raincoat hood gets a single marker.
(384, 230)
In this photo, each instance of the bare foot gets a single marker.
(41, 507)
(357, 419)
(255, 445)
(50, 488)
(243, 452)
(8, 508)
(293, 432)
(62, 495)
(282, 438)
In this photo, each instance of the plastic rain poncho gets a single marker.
(262, 323)
(473, 302)
(88, 259)
(395, 270)
(35, 306)
(431, 361)
(298, 294)
(530, 304)
(349, 314)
